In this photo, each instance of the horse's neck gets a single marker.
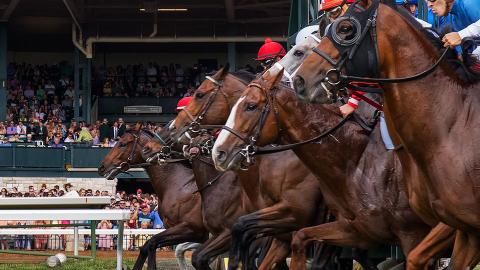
(203, 172)
(426, 111)
(333, 158)
(164, 178)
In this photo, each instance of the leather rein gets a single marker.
(334, 76)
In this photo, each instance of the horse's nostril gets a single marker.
(299, 84)
(221, 156)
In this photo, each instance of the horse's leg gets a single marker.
(211, 248)
(466, 251)
(180, 253)
(259, 249)
(276, 255)
(171, 236)
(333, 233)
(272, 220)
(440, 238)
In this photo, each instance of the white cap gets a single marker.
(306, 32)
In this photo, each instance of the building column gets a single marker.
(3, 70)
(76, 83)
(87, 91)
(232, 55)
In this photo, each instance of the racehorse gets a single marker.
(295, 57)
(360, 181)
(285, 183)
(173, 183)
(223, 202)
(432, 110)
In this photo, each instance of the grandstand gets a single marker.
(74, 74)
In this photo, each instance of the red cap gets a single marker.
(182, 103)
(143, 205)
(270, 49)
(139, 190)
(329, 4)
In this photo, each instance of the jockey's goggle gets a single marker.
(268, 62)
(334, 12)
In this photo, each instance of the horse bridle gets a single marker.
(250, 140)
(334, 76)
(291, 75)
(127, 165)
(251, 149)
(195, 122)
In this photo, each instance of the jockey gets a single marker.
(270, 53)
(466, 24)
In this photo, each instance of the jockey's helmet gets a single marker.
(270, 50)
(306, 32)
(330, 4)
(182, 103)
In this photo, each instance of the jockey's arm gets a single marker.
(472, 31)
(352, 104)
(455, 38)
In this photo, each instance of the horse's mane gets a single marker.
(434, 38)
(431, 35)
(244, 76)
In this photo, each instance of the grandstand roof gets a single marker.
(47, 23)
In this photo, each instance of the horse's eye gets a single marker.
(345, 29)
(298, 53)
(122, 144)
(251, 107)
(199, 95)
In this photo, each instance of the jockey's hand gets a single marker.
(451, 40)
(346, 110)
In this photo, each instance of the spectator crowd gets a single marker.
(150, 80)
(143, 215)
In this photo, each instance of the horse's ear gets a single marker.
(220, 75)
(366, 3)
(273, 76)
(138, 126)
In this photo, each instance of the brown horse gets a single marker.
(361, 182)
(281, 178)
(173, 183)
(434, 114)
(223, 202)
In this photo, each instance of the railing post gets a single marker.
(93, 238)
(75, 239)
(120, 245)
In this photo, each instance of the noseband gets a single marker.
(348, 50)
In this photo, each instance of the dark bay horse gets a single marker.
(287, 189)
(361, 182)
(435, 116)
(174, 185)
(223, 202)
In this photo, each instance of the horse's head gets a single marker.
(295, 56)
(349, 46)
(160, 143)
(251, 122)
(125, 154)
(210, 104)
